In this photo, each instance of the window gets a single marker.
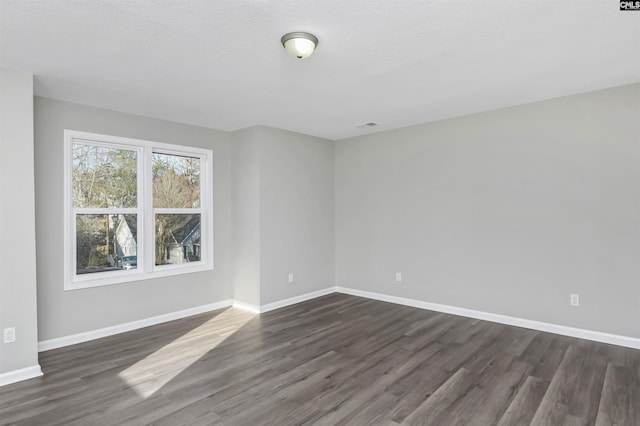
(135, 210)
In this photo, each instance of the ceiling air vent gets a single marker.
(368, 124)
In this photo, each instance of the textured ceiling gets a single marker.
(219, 63)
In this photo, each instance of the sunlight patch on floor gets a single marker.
(154, 371)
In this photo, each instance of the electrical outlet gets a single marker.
(9, 335)
(575, 300)
(398, 277)
(290, 278)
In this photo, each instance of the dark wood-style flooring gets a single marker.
(334, 360)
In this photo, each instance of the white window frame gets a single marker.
(146, 268)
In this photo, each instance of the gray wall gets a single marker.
(245, 172)
(17, 230)
(296, 210)
(283, 214)
(506, 211)
(63, 313)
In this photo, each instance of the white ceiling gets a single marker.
(219, 63)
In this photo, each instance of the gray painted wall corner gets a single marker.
(18, 300)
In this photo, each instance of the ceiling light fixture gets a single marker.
(299, 45)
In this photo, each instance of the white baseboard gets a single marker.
(282, 303)
(73, 339)
(246, 306)
(580, 333)
(20, 375)
(297, 299)
(596, 336)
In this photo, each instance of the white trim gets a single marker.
(73, 339)
(580, 333)
(20, 375)
(296, 299)
(246, 306)
(86, 336)
(282, 303)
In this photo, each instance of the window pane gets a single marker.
(104, 177)
(177, 238)
(176, 181)
(106, 242)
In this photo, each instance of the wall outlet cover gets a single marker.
(574, 300)
(9, 335)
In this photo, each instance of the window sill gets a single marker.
(127, 276)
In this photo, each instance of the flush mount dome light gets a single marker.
(299, 45)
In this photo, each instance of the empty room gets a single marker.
(355, 212)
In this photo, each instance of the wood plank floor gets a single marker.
(334, 360)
